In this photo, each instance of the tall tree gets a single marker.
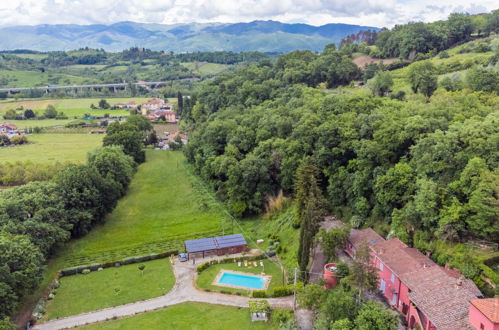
(422, 77)
(180, 103)
(311, 204)
(363, 273)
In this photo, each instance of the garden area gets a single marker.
(207, 276)
(110, 287)
(188, 316)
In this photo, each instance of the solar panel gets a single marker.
(213, 243)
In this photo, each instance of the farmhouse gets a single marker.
(429, 296)
(219, 245)
(153, 105)
(7, 128)
(129, 105)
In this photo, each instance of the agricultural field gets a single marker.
(206, 278)
(206, 69)
(36, 78)
(49, 148)
(72, 107)
(110, 287)
(187, 316)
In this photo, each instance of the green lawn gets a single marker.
(206, 278)
(48, 148)
(192, 316)
(98, 289)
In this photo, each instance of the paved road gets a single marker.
(183, 291)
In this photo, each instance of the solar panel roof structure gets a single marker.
(214, 243)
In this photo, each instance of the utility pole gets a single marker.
(294, 292)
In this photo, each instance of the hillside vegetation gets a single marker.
(413, 156)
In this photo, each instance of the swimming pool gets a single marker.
(243, 281)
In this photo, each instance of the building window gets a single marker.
(393, 278)
(482, 327)
(381, 266)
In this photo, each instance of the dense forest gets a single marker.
(421, 165)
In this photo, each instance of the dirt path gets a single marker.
(183, 291)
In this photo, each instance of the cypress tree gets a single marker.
(180, 103)
(310, 202)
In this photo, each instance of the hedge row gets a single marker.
(130, 260)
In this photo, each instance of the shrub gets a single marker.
(202, 267)
(19, 139)
(259, 294)
(282, 291)
(73, 270)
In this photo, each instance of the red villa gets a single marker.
(429, 296)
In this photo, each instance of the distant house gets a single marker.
(129, 105)
(168, 115)
(153, 105)
(429, 296)
(173, 136)
(484, 314)
(7, 128)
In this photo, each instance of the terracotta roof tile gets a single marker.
(442, 298)
(399, 258)
(489, 307)
(364, 235)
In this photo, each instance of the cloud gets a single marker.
(315, 12)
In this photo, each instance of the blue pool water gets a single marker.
(246, 281)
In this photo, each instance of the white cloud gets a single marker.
(315, 12)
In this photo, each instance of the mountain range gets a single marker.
(264, 36)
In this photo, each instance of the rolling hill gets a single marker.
(265, 36)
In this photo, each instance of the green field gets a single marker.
(161, 209)
(48, 148)
(99, 289)
(195, 316)
(206, 69)
(32, 78)
(206, 278)
(71, 107)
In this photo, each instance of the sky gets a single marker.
(380, 13)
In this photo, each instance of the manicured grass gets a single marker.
(48, 148)
(206, 278)
(110, 287)
(187, 316)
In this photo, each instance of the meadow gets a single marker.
(110, 287)
(49, 148)
(195, 316)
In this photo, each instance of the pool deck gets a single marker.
(266, 280)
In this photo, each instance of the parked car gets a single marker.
(182, 257)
